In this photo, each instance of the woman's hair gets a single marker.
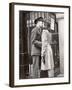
(46, 25)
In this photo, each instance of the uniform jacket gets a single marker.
(36, 41)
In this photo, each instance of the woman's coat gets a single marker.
(47, 51)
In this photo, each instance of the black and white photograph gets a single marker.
(39, 49)
(39, 46)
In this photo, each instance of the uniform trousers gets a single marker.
(36, 70)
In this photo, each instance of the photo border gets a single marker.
(11, 43)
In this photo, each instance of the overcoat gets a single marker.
(47, 51)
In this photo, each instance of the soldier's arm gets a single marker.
(37, 43)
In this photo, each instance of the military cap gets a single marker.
(38, 19)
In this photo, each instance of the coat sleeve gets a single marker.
(44, 42)
(34, 41)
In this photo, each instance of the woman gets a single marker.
(47, 63)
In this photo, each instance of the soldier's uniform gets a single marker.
(36, 50)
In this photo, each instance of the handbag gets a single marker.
(43, 59)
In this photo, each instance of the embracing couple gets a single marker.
(41, 51)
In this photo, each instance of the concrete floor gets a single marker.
(60, 75)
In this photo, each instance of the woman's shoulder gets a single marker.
(45, 30)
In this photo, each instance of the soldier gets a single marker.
(36, 46)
